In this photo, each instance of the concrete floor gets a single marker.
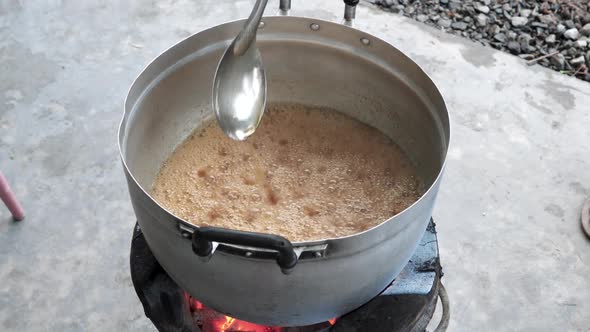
(518, 171)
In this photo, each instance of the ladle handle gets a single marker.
(248, 33)
(203, 236)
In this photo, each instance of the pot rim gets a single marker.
(187, 225)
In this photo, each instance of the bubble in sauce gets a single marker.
(307, 173)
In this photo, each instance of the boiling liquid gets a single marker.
(306, 174)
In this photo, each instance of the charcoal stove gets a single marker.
(407, 304)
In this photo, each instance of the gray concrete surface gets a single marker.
(513, 253)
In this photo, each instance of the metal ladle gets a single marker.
(239, 89)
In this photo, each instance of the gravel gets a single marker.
(514, 47)
(518, 21)
(577, 61)
(482, 20)
(444, 23)
(583, 44)
(531, 29)
(558, 61)
(482, 9)
(500, 37)
(572, 34)
(459, 25)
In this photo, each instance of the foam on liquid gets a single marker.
(306, 174)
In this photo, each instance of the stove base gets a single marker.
(407, 304)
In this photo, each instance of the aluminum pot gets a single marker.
(307, 61)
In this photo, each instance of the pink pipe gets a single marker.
(9, 200)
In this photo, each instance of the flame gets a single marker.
(217, 322)
(214, 321)
(227, 324)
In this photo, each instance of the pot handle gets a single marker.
(204, 236)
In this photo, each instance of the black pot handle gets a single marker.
(203, 236)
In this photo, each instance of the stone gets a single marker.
(578, 61)
(507, 7)
(422, 18)
(467, 19)
(511, 35)
(586, 19)
(585, 31)
(546, 19)
(444, 2)
(569, 24)
(390, 3)
(581, 44)
(560, 28)
(550, 39)
(487, 2)
(481, 20)
(454, 5)
(572, 51)
(518, 21)
(459, 25)
(514, 47)
(572, 34)
(492, 18)
(482, 9)
(500, 37)
(539, 25)
(444, 23)
(494, 29)
(524, 40)
(525, 12)
(558, 61)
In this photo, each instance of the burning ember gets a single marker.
(210, 320)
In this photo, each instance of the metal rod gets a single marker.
(349, 13)
(285, 6)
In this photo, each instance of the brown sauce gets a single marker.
(306, 174)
